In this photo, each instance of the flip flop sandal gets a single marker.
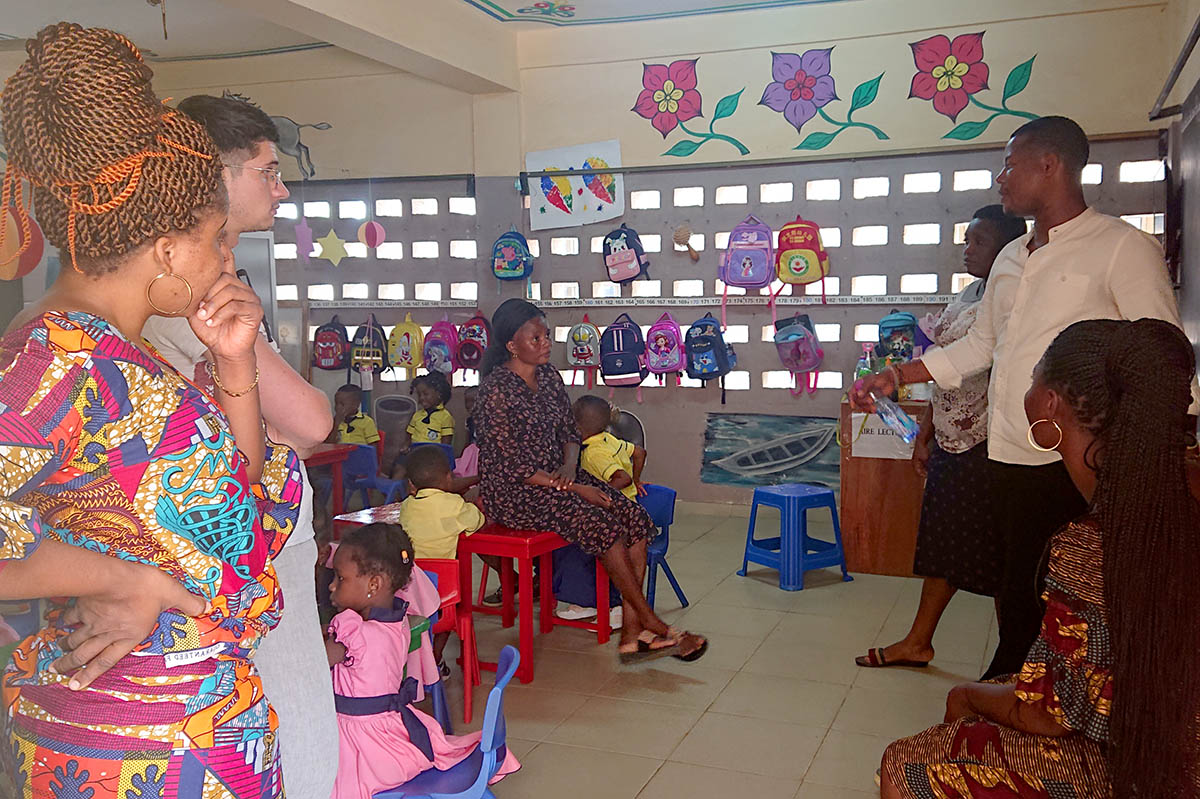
(695, 654)
(646, 650)
(874, 659)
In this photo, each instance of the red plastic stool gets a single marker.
(461, 624)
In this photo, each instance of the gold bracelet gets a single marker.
(212, 372)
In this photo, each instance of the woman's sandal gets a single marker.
(695, 654)
(874, 659)
(644, 648)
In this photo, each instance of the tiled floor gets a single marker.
(776, 708)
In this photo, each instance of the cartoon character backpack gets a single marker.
(473, 338)
(331, 346)
(664, 347)
(624, 255)
(368, 350)
(511, 259)
(800, 257)
(799, 352)
(898, 335)
(623, 354)
(709, 357)
(441, 347)
(749, 260)
(406, 344)
(583, 348)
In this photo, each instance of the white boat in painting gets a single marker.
(779, 454)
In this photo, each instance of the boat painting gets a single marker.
(759, 449)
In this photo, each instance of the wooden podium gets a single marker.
(881, 505)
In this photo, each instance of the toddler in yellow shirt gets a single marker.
(604, 456)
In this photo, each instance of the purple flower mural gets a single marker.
(670, 97)
(801, 87)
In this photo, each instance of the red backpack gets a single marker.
(331, 346)
(473, 338)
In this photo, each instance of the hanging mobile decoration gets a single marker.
(333, 248)
(304, 240)
(371, 233)
(162, 4)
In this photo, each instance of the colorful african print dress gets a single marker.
(108, 449)
(1068, 674)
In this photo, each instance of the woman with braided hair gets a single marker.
(1108, 700)
(154, 507)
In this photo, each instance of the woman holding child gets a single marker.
(528, 457)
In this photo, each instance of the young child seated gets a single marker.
(350, 424)
(381, 747)
(430, 424)
(435, 516)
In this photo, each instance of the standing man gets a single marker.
(292, 659)
(1075, 264)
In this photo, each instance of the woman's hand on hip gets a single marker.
(228, 319)
(109, 624)
(593, 495)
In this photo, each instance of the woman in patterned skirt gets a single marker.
(1108, 700)
(123, 488)
(528, 459)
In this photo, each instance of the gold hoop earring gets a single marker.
(1033, 441)
(182, 280)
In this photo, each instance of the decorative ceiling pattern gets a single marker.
(595, 12)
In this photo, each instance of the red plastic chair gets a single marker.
(462, 624)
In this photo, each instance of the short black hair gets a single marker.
(1008, 226)
(381, 548)
(427, 464)
(435, 380)
(592, 408)
(233, 124)
(350, 388)
(1059, 135)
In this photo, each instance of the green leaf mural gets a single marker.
(1018, 79)
(864, 94)
(967, 130)
(727, 106)
(684, 148)
(815, 141)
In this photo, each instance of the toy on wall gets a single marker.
(371, 233)
(624, 256)
(683, 238)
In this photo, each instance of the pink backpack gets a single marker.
(664, 347)
(441, 347)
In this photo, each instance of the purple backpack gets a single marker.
(441, 347)
(664, 346)
(749, 258)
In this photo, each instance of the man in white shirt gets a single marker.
(1075, 264)
(291, 659)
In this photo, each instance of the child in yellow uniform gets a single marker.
(430, 424)
(351, 425)
(606, 457)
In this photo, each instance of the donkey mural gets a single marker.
(289, 136)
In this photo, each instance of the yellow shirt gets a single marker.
(358, 430)
(440, 424)
(433, 520)
(604, 455)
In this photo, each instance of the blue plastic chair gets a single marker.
(360, 473)
(469, 779)
(448, 449)
(659, 502)
(793, 551)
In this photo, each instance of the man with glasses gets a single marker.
(291, 660)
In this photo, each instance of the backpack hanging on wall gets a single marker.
(749, 261)
(624, 255)
(709, 357)
(584, 350)
(623, 354)
(898, 335)
(799, 352)
(331, 346)
(664, 347)
(800, 258)
(441, 347)
(406, 344)
(368, 350)
(473, 338)
(511, 259)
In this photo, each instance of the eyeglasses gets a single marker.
(271, 173)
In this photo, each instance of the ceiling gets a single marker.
(592, 12)
(195, 27)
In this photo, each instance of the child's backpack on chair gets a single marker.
(624, 255)
(749, 260)
(584, 350)
(441, 347)
(331, 346)
(406, 345)
(709, 357)
(368, 351)
(473, 338)
(623, 354)
(801, 258)
(664, 347)
(799, 352)
(511, 259)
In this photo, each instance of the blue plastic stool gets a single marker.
(793, 552)
(659, 502)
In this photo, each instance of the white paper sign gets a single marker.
(877, 440)
(566, 201)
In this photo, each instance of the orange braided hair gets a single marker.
(104, 157)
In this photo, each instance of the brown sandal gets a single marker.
(644, 648)
(874, 659)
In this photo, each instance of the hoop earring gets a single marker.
(182, 280)
(1033, 441)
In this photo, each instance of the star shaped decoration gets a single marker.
(333, 249)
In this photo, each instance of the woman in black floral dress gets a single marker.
(528, 454)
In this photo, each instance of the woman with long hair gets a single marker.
(123, 487)
(1108, 699)
(528, 459)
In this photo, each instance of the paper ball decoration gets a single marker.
(371, 234)
(14, 268)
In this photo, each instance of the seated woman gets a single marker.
(528, 453)
(1108, 699)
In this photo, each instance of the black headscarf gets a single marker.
(506, 321)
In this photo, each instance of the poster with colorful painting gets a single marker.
(753, 449)
(557, 201)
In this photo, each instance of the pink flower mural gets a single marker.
(670, 97)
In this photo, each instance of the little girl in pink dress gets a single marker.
(384, 741)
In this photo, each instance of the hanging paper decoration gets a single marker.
(557, 190)
(12, 266)
(371, 234)
(575, 199)
(601, 184)
(304, 240)
(333, 249)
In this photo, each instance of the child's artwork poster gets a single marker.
(570, 201)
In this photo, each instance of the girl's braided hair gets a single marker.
(111, 166)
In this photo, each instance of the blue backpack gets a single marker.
(709, 357)
(511, 259)
(623, 353)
